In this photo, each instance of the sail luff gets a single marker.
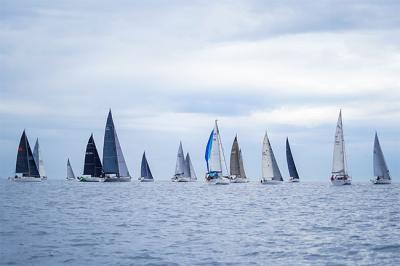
(290, 161)
(234, 160)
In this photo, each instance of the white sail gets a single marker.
(380, 166)
(215, 162)
(37, 156)
(70, 172)
(270, 169)
(191, 168)
(339, 156)
(180, 162)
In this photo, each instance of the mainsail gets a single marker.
(270, 169)
(25, 164)
(70, 172)
(180, 162)
(380, 167)
(37, 155)
(291, 166)
(235, 159)
(188, 162)
(242, 173)
(92, 165)
(215, 154)
(113, 158)
(145, 169)
(339, 156)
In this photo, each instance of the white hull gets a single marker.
(375, 181)
(340, 182)
(145, 180)
(117, 179)
(71, 179)
(293, 180)
(25, 179)
(90, 179)
(271, 182)
(239, 180)
(218, 181)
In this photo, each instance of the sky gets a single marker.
(168, 69)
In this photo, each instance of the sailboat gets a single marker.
(189, 169)
(381, 171)
(294, 175)
(339, 168)
(270, 170)
(26, 169)
(70, 172)
(217, 172)
(145, 175)
(179, 175)
(237, 174)
(92, 170)
(114, 166)
(37, 155)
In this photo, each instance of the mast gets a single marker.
(235, 159)
(380, 166)
(25, 163)
(92, 165)
(270, 169)
(113, 158)
(291, 165)
(339, 161)
(180, 162)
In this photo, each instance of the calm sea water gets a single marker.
(165, 223)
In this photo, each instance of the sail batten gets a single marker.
(290, 161)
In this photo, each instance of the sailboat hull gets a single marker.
(340, 180)
(25, 179)
(238, 180)
(217, 181)
(142, 179)
(293, 180)
(90, 179)
(70, 179)
(377, 181)
(271, 182)
(117, 179)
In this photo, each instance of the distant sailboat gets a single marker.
(93, 170)
(114, 165)
(270, 170)
(37, 155)
(25, 169)
(339, 168)
(381, 171)
(189, 169)
(145, 175)
(237, 174)
(70, 172)
(179, 175)
(217, 172)
(294, 176)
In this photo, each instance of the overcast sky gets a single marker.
(168, 69)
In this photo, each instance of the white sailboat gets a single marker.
(270, 170)
(70, 172)
(339, 169)
(26, 169)
(179, 175)
(37, 155)
(217, 172)
(237, 174)
(381, 171)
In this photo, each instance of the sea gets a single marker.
(59, 222)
